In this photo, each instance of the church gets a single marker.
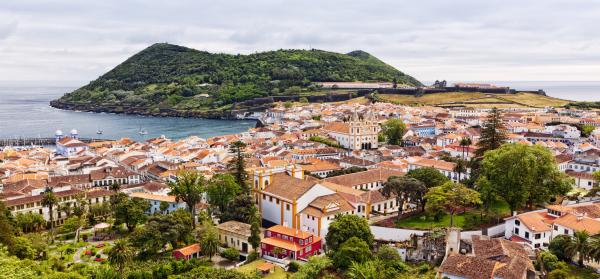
(356, 134)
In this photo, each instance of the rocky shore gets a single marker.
(212, 114)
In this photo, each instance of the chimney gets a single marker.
(579, 216)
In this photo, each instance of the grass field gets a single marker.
(251, 269)
(468, 220)
(478, 100)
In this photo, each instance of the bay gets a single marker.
(25, 112)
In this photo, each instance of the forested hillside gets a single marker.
(176, 77)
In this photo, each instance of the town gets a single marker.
(353, 189)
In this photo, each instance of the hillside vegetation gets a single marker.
(176, 77)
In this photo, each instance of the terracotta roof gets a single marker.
(189, 250)
(438, 164)
(264, 267)
(147, 196)
(468, 267)
(576, 223)
(338, 127)
(235, 227)
(290, 231)
(285, 244)
(364, 177)
(288, 187)
(536, 221)
(335, 202)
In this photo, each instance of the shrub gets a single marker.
(293, 266)
(252, 257)
(231, 254)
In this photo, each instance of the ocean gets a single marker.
(25, 112)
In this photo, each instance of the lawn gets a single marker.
(251, 269)
(469, 220)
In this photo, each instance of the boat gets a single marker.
(99, 132)
(142, 132)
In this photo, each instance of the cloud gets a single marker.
(7, 29)
(458, 40)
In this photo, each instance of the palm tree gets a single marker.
(50, 200)
(209, 240)
(120, 255)
(465, 142)
(578, 244)
(189, 188)
(460, 168)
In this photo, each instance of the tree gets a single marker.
(237, 167)
(451, 197)
(586, 130)
(430, 177)
(493, 133)
(371, 269)
(7, 229)
(161, 230)
(345, 227)
(460, 168)
(404, 188)
(29, 222)
(163, 207)
(115, 187)
(71, 224)
(50, 200)
(352, 250)
(209, 240)
(129, 211)
(464, 143)
(577, 245)
(120, 255)
(189, 188)
(22, 248)
(522, 174)
(254, 238)
(313, 269)
(393, 130)
(221, 191)
(557, 245)
(548, 260)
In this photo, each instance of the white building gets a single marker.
(356, 134)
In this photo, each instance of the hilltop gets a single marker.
(175, 80)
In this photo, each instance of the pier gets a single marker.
(39, 141)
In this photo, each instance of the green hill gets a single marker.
(165, 76)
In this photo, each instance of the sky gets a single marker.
(72, 41)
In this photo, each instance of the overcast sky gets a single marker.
(76, 41)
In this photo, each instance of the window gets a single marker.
(555, 227)
(566, 231)
(517, 222)
(301, 242)
(538, 236)
(527, 235)
(537, 245)
(287, 207)
(516, 231)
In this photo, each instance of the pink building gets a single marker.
(288, 243)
